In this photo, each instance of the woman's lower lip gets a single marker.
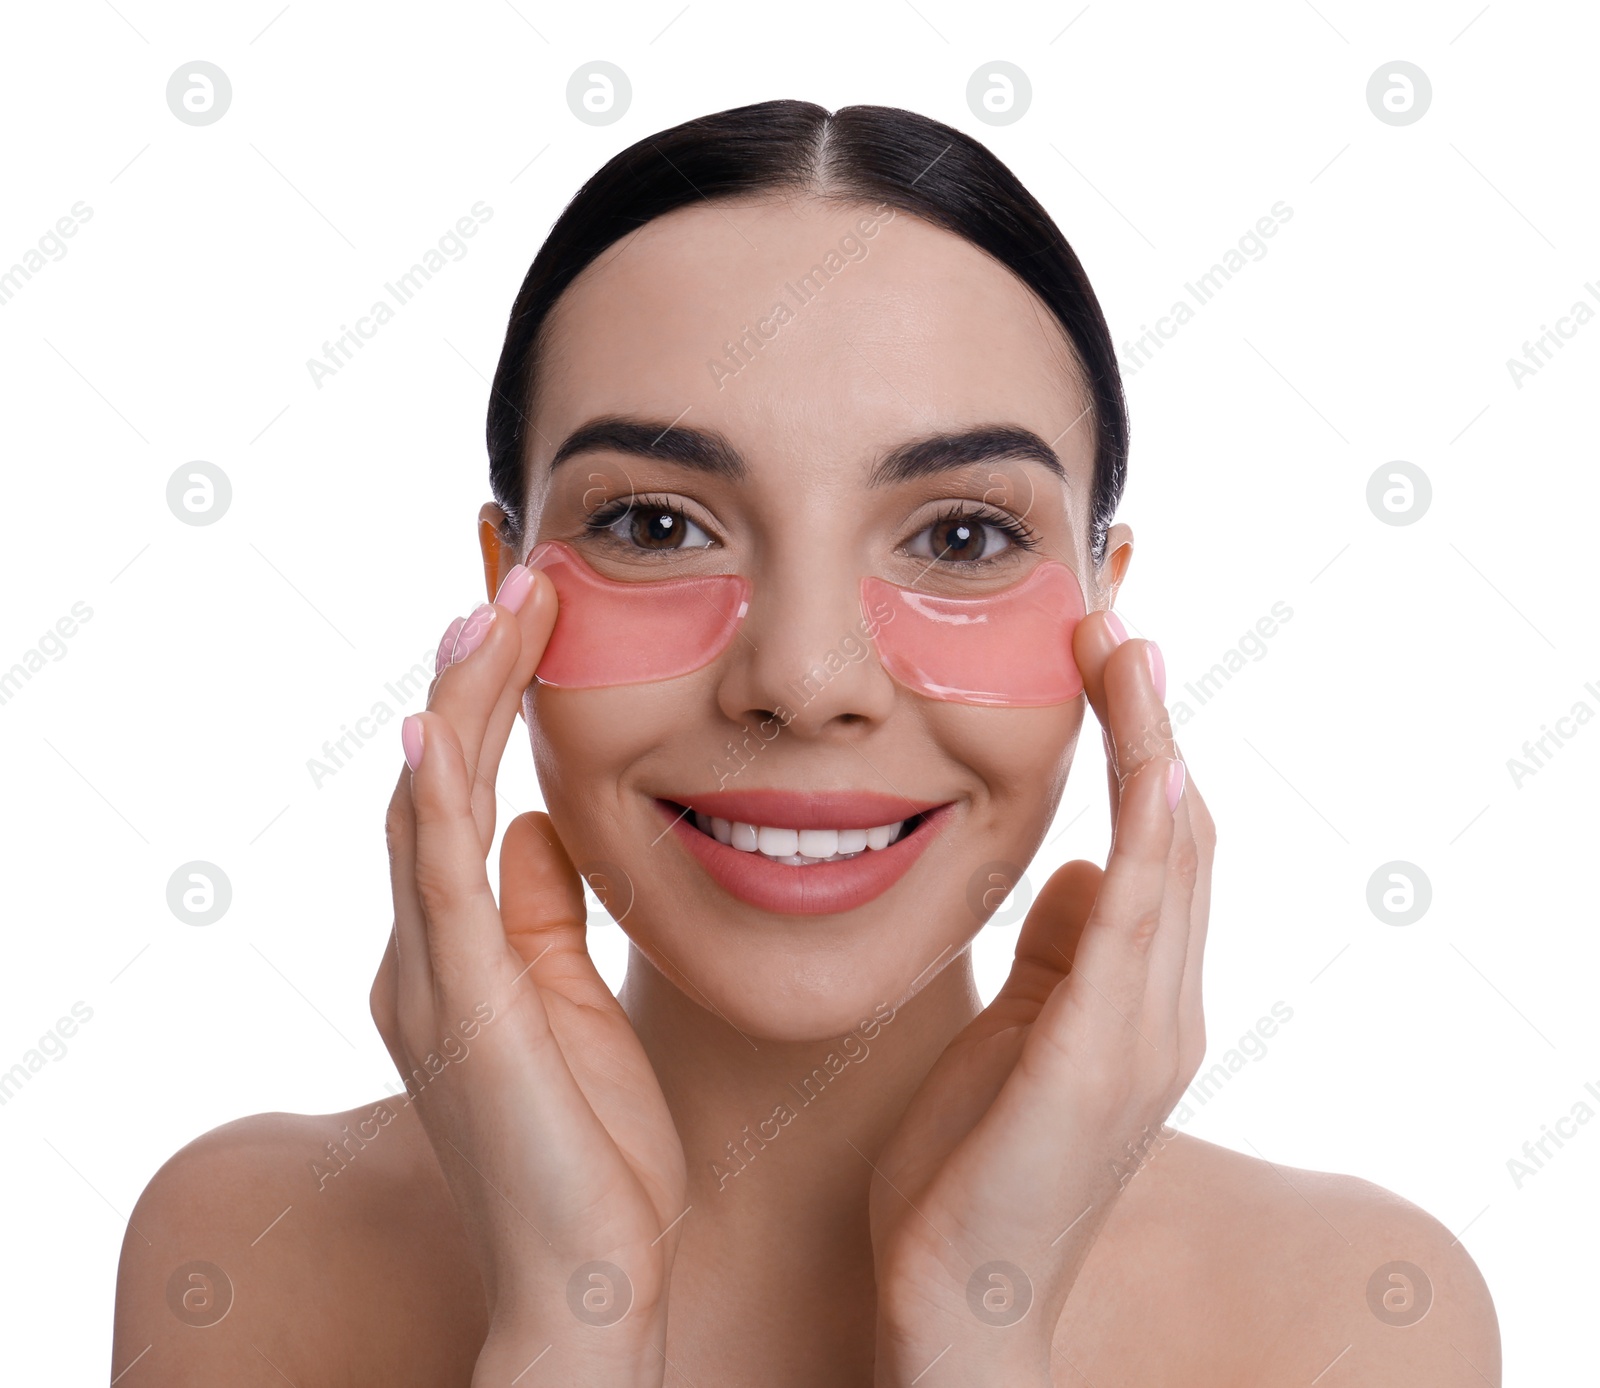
(820, 889)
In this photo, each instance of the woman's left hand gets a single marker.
(1014, 1150)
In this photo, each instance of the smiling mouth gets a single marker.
(798, 847)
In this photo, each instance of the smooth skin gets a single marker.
(569, 1127)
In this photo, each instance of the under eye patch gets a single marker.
(1007, 649)
(1011, 649)
(610, 633)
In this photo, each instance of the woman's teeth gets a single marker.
(798, 847)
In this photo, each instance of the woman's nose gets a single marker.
(804, 654)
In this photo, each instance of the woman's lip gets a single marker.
(821, 889)
(827, 809)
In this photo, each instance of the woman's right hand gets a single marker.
(530, 1082)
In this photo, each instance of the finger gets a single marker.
(1049, 940)
(1191, 1012)
(465, 941)
(536, 619)
(384, 997)
(1141, 733)
(1140, 727)
(542, 907)
(409, 938)
(1097, 1016)
(1170, 949)
(490, 663)
(1113, 779)
(1093, 641)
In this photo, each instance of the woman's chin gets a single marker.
(811, 984)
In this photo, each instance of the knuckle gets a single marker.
(1185, 863)
(1107, 1091)
(1168, 1068)
(378, 1006)
(1143, 926)
(442, 890)
(413, 1037)
(397, 821)
(382, 996)
(1189, 1065)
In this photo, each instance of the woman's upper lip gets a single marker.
(818, 809)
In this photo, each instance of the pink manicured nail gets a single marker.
(411, 741)
(442, 658)
(1177, 773)
(1117, 629)
(471, 635)
(514, 591)
(1158, 669)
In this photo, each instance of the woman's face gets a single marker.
(906, 333)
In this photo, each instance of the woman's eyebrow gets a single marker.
(707, 451)
(942, 452)
(642, 438)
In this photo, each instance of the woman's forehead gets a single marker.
(832, 327)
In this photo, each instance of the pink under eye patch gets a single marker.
(1008, 649)
(610, 633)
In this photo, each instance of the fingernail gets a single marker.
(471, 635)
(514, 591)
(411, 741)
(1177, 773)
(443, 657)
(1117, 629)
(1158, 669)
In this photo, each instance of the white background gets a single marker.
(1377, 726)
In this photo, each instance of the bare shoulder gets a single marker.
(1265, 1273)
(321, 1248)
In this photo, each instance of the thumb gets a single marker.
(1050, 934)
(540, 894)
(541, 904)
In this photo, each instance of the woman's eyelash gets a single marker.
(1012, 526)
(599, 521)
(610, 512)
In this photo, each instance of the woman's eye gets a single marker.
(953, 539)
(654, 527)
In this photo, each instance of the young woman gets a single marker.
(805, 443)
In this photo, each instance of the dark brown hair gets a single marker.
(868, 154)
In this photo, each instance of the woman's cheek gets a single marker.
(585, 743)
(1020, 755)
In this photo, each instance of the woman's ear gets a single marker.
(495, 540)
(1118, 555)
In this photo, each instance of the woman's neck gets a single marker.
(780, 1140)
(773, 1124)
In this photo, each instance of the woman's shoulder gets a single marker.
(300, 1242)
(1274, 1271)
